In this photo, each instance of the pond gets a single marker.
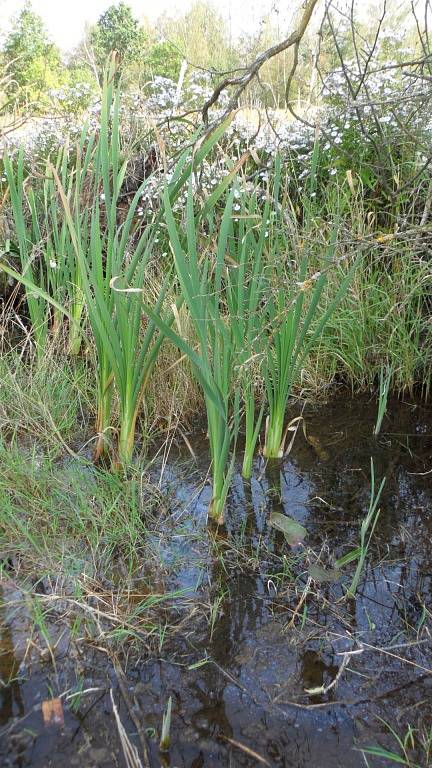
(265, 658)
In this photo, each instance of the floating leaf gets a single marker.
(293, 531)
(318, 573)
(52, 712)
(315, 691)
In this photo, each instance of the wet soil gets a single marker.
(270, 666)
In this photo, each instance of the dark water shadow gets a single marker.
(274, 661)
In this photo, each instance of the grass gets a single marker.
(90, 510)
(264, 299)
(367, 528)
(84, 533)
(213, 364)
(44, 402)
(382, 321)
(411, 746)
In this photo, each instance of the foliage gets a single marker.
(78, 93)
(162, 59)
(33, 61)
(201, 286)
(202, 36)
(258, 231)
(117, 30)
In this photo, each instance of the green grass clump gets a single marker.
(44, 401)
(383, 320)
(266, 296)
(69, 517)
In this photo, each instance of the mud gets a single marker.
(271, 666)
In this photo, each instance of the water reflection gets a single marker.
(258, 664)
(11, 703)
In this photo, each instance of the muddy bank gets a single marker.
(266, 661)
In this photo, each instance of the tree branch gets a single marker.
(242, 81)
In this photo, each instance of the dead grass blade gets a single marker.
(129, 750)
(246, 750)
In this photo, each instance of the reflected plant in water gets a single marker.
(385, 381)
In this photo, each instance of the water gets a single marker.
(263, 664)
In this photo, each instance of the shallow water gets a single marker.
(258, 634)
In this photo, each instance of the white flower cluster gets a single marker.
(71, 93)
(376, 103)
(40, 136)
(162, 95)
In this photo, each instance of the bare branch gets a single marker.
(242, 81)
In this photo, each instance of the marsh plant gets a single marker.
(246, 291)
(254, 287)
(295, 318)
(384, 386)
(200, 276)
(367, 529)
(237, 264)
(118, 270)
(105, 262)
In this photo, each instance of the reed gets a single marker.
(295, 321)
(201, 281)
(295, 316)
(44, 246)
(384, 386)
(28, 240)
(106, 262)
(246, 286)
(367, 529)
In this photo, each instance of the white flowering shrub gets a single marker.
(377, 126)
(370, 124)
(73, 99)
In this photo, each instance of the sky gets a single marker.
(65, 19)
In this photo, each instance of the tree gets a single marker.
(32, 60)
(201, 35)
(163, 59)
(118, 30)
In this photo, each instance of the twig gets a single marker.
(134, 717)
(245, 749)
(129, 750)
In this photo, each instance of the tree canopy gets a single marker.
(32, 60)
(118, 30)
